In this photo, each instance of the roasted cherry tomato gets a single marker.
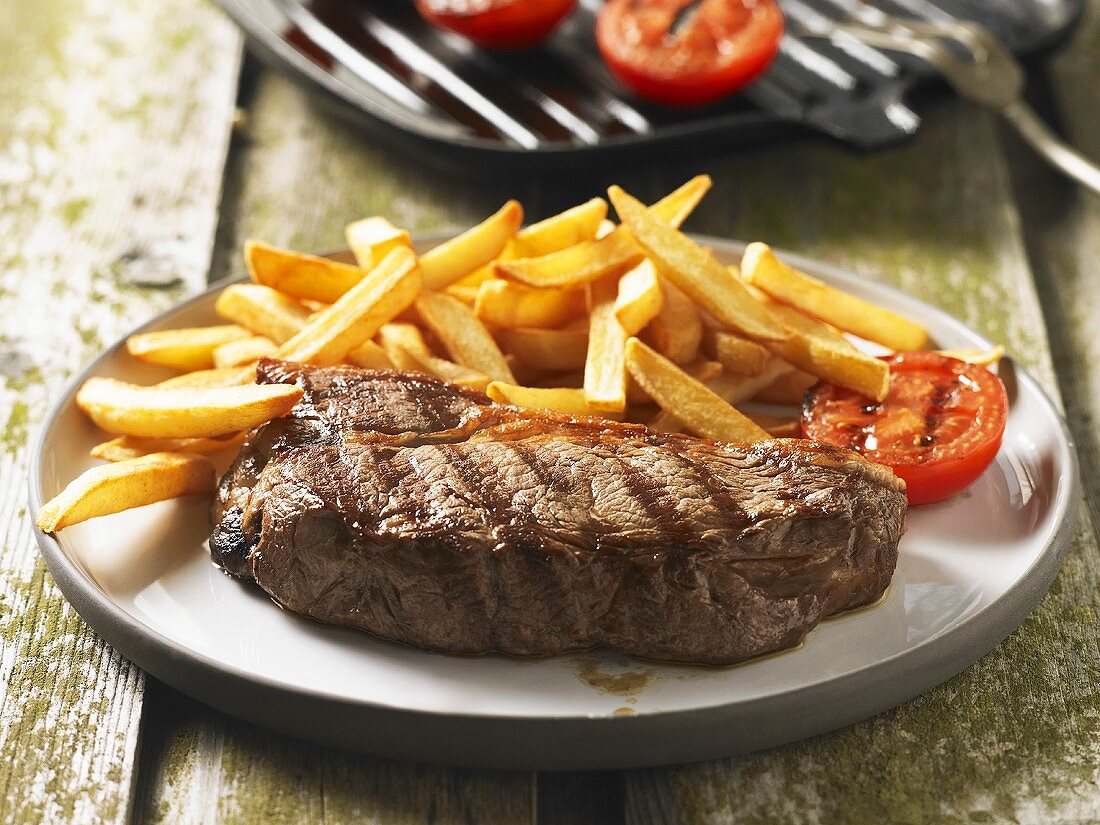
(939, 427)
(687, 52)
(497, 24)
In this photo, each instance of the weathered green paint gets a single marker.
(80, 182)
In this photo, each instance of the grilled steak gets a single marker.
(427, 514)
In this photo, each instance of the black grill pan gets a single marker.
(431, 91)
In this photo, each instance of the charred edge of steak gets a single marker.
(228, 545)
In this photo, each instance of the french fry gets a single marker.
(733, 389)
(981, 357)
(701, 370)
(370, 356)
(155, 412)
(551, 350)
(568, 400)
(737, 354)
(405, 346)
(817, 349)
(371, 239)
(676, 330)
(581, 223)
(576, 265)
(639, 299)
(693, 403)
(776, 426)
(604, 369)
(244, 351)
(218, 377)
(126, 447)
(299, 275)
(761, 268)
(467, 293)
(506, 304)
(183, 349)
(461, 255)
(786, 390)
(262, 310)
(358, 314)
(696, 272)
(101, 491)
(463, 335)
(612, 253)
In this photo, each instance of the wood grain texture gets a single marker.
(113, 129)
(1014, 737)
(300, 177)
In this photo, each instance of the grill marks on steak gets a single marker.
(427, 514)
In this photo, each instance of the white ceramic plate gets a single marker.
(970, 569)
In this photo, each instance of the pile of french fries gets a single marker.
(574, 314)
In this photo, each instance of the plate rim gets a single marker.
(170, 660)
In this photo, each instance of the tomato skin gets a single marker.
(723, 46)
(497, 24)
(938, 429)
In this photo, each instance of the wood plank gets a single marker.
(301, 175)
(114, 123)
(1013, 738)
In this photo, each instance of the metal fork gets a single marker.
(988, 74)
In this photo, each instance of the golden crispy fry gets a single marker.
(371, 239)
(101, 491)
(761, 268)
(640, 298)
(381, 294)
(788, 389)
(223, 377)
(371, 356)
(568, 400)
(701, 370)
(610, 253)
(408, 338)
(981, 357)
(299, 275)
(815, 348)
(461, 255)
(699, 407)
(581, 223)
(262, 310)
(184, 349)
(733, 389)
(155, 412)
(405, 346)
(463, 335)
(785, 284)
(576, 265)
(776, 426)
(126, 447)
(506, 304)
(737, 354)
(245, 351)
(551, 350)
(696, 272)
(467, 293)
(677, 329)
(604, 370)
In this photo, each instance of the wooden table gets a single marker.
(139, 150)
